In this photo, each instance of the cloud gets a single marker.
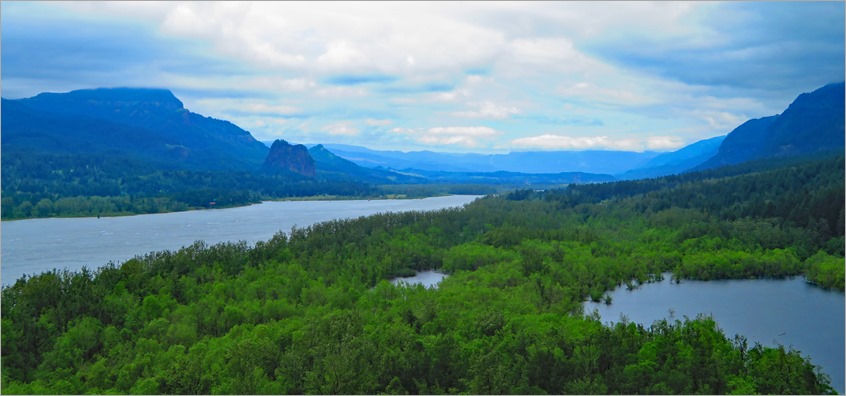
(593, 93)
(340, 91)
(566, 121)
(341, 129)
(488, 109)
(359, 79)
(465, 136)
(248, 106)
(752, 45)
(557, 74)
(561, 142)
(372, 122)
(476, 131)
(664, 143)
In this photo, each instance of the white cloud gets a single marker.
(373, 122)
(664, 143)
(618, 96)
(488, 109)
(340, 92)
(562, 142)
(341, 129)
(557, 51)
(476, 131)
(550, 141)
(278, 84)
(341, 37)
(439, 64)
(243, 106)
(245, 31)
(451, 96)
(465, 136)
(342, 55)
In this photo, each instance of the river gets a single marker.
(38, 245)
(769, 311)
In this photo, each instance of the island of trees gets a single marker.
(311, 310)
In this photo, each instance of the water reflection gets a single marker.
(425, 278)
(768, 311)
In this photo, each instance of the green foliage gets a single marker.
(826, 270)
(42, 185)
(311, 311)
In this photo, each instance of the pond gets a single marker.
(768, 311)
(425, 278)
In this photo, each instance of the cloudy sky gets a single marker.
(460, 77)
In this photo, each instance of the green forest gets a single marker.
(38, 186)
(312, 311)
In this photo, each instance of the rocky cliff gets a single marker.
(286, 157)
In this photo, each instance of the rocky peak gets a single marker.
(286, 157)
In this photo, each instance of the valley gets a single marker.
(309, 298)
(508, 318)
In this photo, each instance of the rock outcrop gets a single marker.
(292, 158)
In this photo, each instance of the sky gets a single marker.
(443, 76)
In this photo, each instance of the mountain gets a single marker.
(549, 162)
(511, 178)
(284, 157)
(147, 125)
(813, 123)
(332, 167)
(426, 160)
(677, 161)
(589, 161)
(742, 144)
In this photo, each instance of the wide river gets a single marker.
(38, 245)
(768, 311)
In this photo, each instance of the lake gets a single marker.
(769, 311)
(425, 278)
(38, 245)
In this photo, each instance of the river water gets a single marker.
(38, 245)
(768, 311)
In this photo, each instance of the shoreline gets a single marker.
(315, 198)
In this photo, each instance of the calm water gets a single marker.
(787, 312)
(38, 245)
(425, 278)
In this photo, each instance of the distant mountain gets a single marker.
(511, 178)
(591, 161)
(427, 160)
(333, 167)
(148, 125)
(813, 123)
(677, 161)
(284, 157)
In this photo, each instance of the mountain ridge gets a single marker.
(813, 122)
(677, 161)
(545, 162)
(129, 118)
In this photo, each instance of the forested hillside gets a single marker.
(311, 311)
(812, 124)
(83, 185)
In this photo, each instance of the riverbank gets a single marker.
(217, 206)
(38, 245)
